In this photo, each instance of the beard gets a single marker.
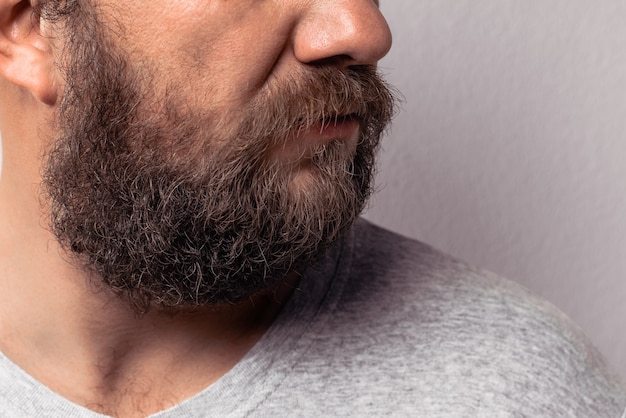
(167, 209)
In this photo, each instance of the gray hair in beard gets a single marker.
(163, 217)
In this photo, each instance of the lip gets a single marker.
(301, 148)
(342, 127)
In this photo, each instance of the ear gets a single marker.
(26, 57)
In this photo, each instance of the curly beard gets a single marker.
(166, 215)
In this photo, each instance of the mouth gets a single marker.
(300, 149)
(338, 127)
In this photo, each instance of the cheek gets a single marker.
(217, 51)
(233, 54)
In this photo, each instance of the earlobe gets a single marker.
(26, 57)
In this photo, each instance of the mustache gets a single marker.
(325, 95)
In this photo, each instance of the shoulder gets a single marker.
(463, 336)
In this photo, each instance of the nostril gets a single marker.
(337, 60)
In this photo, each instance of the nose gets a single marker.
(344, 32)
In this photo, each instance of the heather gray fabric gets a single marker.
(388, 326)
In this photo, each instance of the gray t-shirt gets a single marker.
(384, 325)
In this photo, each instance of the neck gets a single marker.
(88, 345)
(92, 349)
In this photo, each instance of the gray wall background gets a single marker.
(510, 150)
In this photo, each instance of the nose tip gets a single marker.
(353, 32)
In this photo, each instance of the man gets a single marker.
(178, 219)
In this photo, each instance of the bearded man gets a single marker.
(179, 236)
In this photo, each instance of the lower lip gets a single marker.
(302, 146)
(341, 129)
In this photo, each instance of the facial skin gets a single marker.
(199, 168)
